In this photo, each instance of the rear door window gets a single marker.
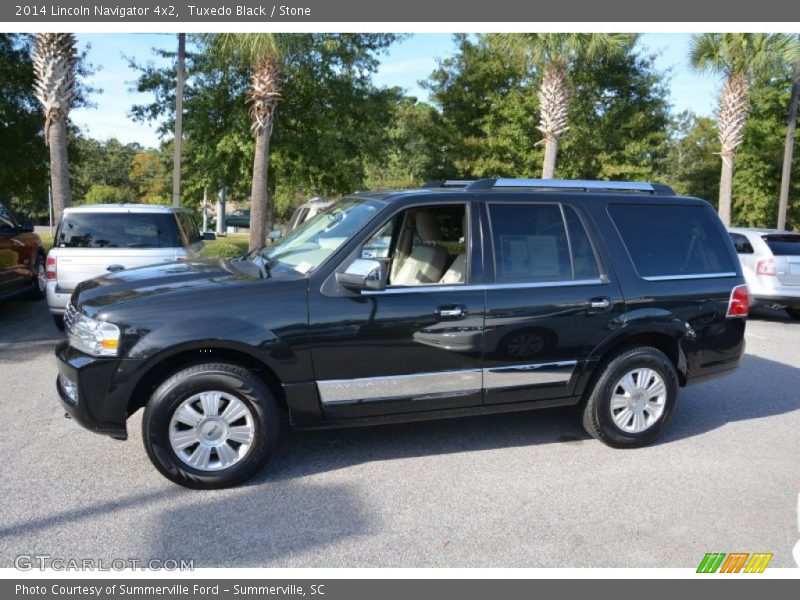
(672, 241)
(530, 243)
(782, 244)
(117, 230)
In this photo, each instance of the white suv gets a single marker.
(771, 265)
(95, 240)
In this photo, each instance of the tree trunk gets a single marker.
(176, 157)
(59, 168)
(258, 193)
(726, 190)
(788, 149)
(550, 154)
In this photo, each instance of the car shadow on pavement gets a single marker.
(258, 525)
(759, 388)
(25, 321)
(763, 388)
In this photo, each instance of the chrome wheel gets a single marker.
(638, 400)
(212, 430)
(41, 277)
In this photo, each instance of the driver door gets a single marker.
(416, 345)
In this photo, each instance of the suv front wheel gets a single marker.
(211, 425)
(633, 399)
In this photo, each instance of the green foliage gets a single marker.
(331, 121)
(757, 175)
(96, 163)
(693, 163)
(107, 194)
(748, 54)
(618, 115)
(23, 155)
(225, 248)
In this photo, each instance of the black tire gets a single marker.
(597, 415)
(231, 379)
(59, 322)
(794, 313)
(38, 290)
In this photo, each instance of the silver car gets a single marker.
(95, 240)
(771, 264)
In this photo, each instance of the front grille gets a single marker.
(70, 316)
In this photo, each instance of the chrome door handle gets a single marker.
(599, 304)
(115, 268)
(451, 312)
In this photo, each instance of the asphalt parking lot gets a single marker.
(518, 490)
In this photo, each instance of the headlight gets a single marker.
(97, 338)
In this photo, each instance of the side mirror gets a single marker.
(209, 236)
(274, 234)
(363, 274)
(27, 226)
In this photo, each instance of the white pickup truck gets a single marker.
(95, 240)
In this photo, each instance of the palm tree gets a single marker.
(54, 63)
(740, 58)
(788, 149)
(552, 55)
(263, 53)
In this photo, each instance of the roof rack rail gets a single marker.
(448, 183)
(658, 189)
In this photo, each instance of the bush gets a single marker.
(222, 249)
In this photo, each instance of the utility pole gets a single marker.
(788, 149)
(221, 198)
(205, 208)
(180, 78)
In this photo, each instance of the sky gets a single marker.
(404, 65)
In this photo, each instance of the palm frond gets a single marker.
(54, 61)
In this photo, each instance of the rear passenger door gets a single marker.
(550, 304)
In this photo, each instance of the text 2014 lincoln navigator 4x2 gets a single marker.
(459, 298)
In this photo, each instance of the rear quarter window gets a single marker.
(117, 230)
(666, 240)
(783, 245)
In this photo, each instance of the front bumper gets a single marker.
(102, 398)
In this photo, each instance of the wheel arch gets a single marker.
(166, 365)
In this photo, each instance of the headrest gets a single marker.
(427, 226)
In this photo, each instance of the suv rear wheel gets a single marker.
(633, 398)
(211, 425)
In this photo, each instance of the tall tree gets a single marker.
(488, 106)
(788, 147)
(553, 56)
(264, 53)
(180, 79)
(54, 61)
(739, 58)
(23, 156)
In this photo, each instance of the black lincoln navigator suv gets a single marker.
(460, 298)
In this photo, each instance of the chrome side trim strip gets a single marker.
(426, 386)
(346, 391)
(695, 276)
(528, 375)
(431, 289)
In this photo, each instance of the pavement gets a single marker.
(514, 490)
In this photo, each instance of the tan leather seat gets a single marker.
(426, 262)
(457, 273)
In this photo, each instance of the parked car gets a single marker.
(22, 263)
(771, 265)
(104, 238)
(236, 218)
(554, 292)
(307, 211)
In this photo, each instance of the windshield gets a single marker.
(307, 247)
(117, 230)
(783, 244)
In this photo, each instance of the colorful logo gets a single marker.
(734, 562)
